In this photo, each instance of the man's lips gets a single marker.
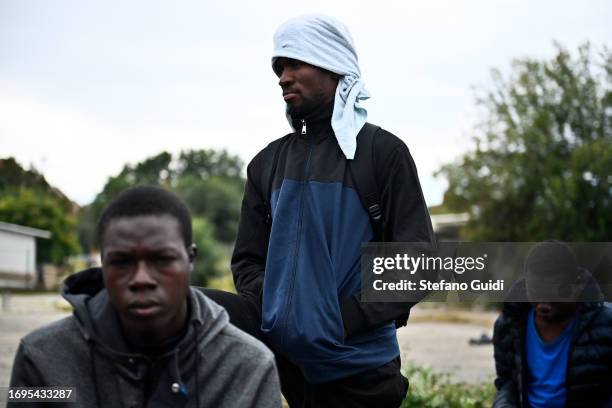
(289, 95)
(544, 309)
(144, 309)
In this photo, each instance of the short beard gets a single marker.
(299, 112)
(306, 107)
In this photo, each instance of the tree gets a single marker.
(13, 175)
(154, 170)
(209, 181)
(207, 264)
(216, 198)
(35, 208)
(208, 162)
(26, 198)
(542, 164)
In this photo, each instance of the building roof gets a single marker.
(445, 222)
(23, 230)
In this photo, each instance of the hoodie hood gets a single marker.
(98, 320)
(100, 326)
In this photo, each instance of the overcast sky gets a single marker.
(86, 87)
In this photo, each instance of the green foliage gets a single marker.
(154, 170)
(209, 181)
(429, 389)
(27, 199)
(12, 175)
(224, 283)
(39, 209)
(215, 198)
(542, 166)
(208, 263)
(209, 163)
(87, 228)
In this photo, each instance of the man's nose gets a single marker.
(142, 277)
(285, 78)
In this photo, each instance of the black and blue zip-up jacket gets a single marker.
(305, 267)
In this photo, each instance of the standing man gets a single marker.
(296, 262)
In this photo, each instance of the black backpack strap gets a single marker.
(363, 173)
(271, 163)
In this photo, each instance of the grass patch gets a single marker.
(430, 389)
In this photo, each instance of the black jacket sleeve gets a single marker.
(405, 218)
(503, 350)
(250, 251)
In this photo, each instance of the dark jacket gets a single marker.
(589, 370)
(310, 256)
(213, 365)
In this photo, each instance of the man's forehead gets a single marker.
(149, 229)
(146, 221)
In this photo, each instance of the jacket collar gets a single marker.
(316, 124)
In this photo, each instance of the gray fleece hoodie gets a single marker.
(213, 365)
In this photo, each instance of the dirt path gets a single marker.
(24, 314)
(440, 339)
(436, 338)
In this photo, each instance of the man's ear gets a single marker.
(192, 252)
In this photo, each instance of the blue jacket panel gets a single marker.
(314, 264)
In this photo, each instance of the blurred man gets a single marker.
(139, 335)
(557, 350)
(306, 211)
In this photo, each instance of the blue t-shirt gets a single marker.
(546, 366)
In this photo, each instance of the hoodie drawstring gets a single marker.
(177, 371)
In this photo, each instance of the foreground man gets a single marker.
(139, 336)
(296, 262)
(557, 351)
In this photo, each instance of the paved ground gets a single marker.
(440, 339)
(25, 313)
(433, 337)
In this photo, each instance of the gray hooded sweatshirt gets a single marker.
(213, 365)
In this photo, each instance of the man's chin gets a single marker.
(294, 110)
(299, 110)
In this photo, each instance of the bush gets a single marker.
(434, 390)
(208, 264)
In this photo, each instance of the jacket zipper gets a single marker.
(299, 234)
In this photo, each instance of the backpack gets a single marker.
(361, 169)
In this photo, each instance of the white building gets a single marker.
(18, 255)
(447, 226)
